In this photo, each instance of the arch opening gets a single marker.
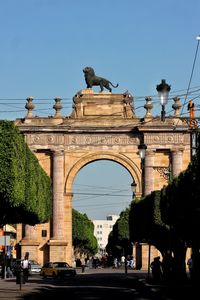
(101, 188)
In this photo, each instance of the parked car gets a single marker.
(57, 270)
(15, 266)
(35, 267)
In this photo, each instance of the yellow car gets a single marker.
(57, 270)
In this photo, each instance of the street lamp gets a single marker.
(133, 188)
(163, 91)
(142, 152)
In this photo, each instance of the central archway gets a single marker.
(121, 159)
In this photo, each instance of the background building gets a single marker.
(102, 228)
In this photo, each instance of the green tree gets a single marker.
(180, 208)
(25, 189)
(83, 237)
(146, 224)
(119, 241)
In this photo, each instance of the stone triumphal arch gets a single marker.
(101, 126)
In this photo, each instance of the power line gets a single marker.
(99, 194)
(191, 75)
(195, 57)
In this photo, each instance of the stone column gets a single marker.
(148, 172)
(30, 232)
(68, 227)
(58, 196)
(177, 161)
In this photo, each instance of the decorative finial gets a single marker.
(176, 106)
(148, 106)
(57, 106)
(29, 106)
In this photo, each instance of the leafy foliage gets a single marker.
(146, 224)
(83, 237)
(25, 189)
(118, 240)
(180, 205)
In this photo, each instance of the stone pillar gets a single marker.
(177, 161)
(68, 227)
(58, 196)
(148, 172)
(57, 243)
(30, 232)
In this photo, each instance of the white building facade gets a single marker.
(102, 228)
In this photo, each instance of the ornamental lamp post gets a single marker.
(133, 188)
(163, 90)
(142, 152)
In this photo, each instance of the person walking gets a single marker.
(156, 267)
(190, 266)
(25, 267)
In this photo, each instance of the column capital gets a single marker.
(178, 149)
(59, 152)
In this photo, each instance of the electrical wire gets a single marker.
(191, 75)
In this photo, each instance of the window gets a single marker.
(44, 233)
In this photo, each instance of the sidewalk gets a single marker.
(10, 290)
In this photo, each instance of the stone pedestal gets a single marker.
(88, 104)
(31, 247)
(58, 250)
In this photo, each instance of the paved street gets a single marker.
(96, 284)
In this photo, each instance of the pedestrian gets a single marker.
(9, 272)
(168, 266)
(83, 264)
(190, 266)
(123, 260)
(156, 267)
(115, 263)
(132, 262)
(25, 267)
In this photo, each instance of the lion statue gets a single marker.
(91, 79)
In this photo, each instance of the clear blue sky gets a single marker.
(45, 44)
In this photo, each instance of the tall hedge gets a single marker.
(146, 224)
(25, 188)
